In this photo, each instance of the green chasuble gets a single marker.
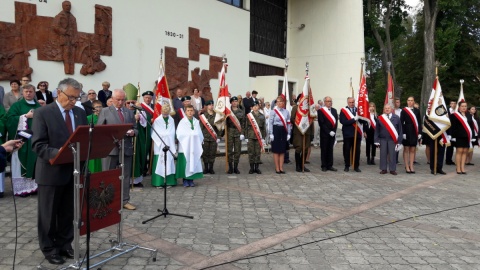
(25, 154)
(3, 128)
(94, 165)
(142, 147)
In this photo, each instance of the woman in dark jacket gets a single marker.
(43, 93)
(462, 135)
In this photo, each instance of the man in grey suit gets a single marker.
(118, 114)
(387, 124)
(52, 126)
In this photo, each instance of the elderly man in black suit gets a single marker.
(52, 126)
(388, 136)
(118, 114)
(328, 122)
(350, 121)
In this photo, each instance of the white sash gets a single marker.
(329, 115)
(350, 116)
(413, 117)
(209, 127)
(372, 121)
(256, 129)
(389, 126)
(282, 118)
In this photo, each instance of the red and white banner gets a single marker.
(256, 130)
(461, 97)
(414, 119)
(437, 113)
(286, 92)
(162, 94)
(349, 115)
(389, 126)
(390, 91)
(302, 116)
(363, 105)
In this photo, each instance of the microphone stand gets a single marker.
(163, 212)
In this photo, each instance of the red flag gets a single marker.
(363, 111)
(286, 93)
(390, 90)
(162, 94)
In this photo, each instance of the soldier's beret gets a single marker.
(150, 93)
(233, 99)
(208, 102)
(186, 98)
(256, 103)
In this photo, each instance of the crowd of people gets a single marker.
(173, 145)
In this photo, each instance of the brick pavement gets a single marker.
(241, 216)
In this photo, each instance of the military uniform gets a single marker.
(234, 138)
(253, 144)
(298, 140)
(209, 143)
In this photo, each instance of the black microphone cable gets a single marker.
(342, 235)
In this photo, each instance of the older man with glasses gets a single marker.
(88, 105)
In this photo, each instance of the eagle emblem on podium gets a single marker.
(100, 200)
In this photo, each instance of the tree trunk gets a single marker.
(430, 11)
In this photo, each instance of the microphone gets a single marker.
(24, 135)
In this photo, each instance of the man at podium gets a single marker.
(52, 126)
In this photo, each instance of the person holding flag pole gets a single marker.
(435, 123)
(304, 129)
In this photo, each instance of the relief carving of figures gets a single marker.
(56, 39)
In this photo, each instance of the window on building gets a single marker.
(268, 27)
(237, 3)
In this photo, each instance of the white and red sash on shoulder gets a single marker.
(181, 112)
(328, 114)
(235, 121)
(413, 117)
(147, 108)
(207, 126)
(373, 124)
(389, 126)
(256, 129)
(350, 116)
(463, 121)
(282, 118)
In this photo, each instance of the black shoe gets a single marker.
(441, 172)
(230, 168)
(252, 169)
(257, 170)
(357, 170)
(346, 169)
(332, 169)
(287, 161)
(324, 169)
(138, 185)
(1, 194)
(210, 169)
(55, 259)
(235, 168)
(469, 164)
(69, 253)
(206, 169)
(305, 169)
(449, 162)
(414, 162)
(368, 161)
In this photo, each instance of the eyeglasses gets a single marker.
(92, 93)
(130, 102)
(71, 98)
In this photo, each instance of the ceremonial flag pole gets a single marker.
(285, 90)
(353, 152)
(461, 97)
(222, 107)
(390, 88)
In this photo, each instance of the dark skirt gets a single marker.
(279, 144)
(462, 143)
(411, 137)
(426, 140)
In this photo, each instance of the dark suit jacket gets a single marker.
(88, 106)
(348, 129)
(247, 104)
(48, 94)
(325, 124)
(381, 131)
(109, 116)
(103, 96)
(49, 134)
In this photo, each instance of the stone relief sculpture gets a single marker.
(56, 39)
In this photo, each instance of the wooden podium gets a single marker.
(106, 185)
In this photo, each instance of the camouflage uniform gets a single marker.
(254, 150)
(298, 139)
(209, 144)
(234, 145)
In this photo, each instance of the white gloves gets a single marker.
(332, 133)
(355, 117)
(218, 140)
(449, 137)
(473, 140)
(246, 140)
(398, 147)
(242, 137)
(404, 136)
(419, 136)
(288, 137)
(271, 137)
(453, 140)
(263, 141)
(377, 144)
